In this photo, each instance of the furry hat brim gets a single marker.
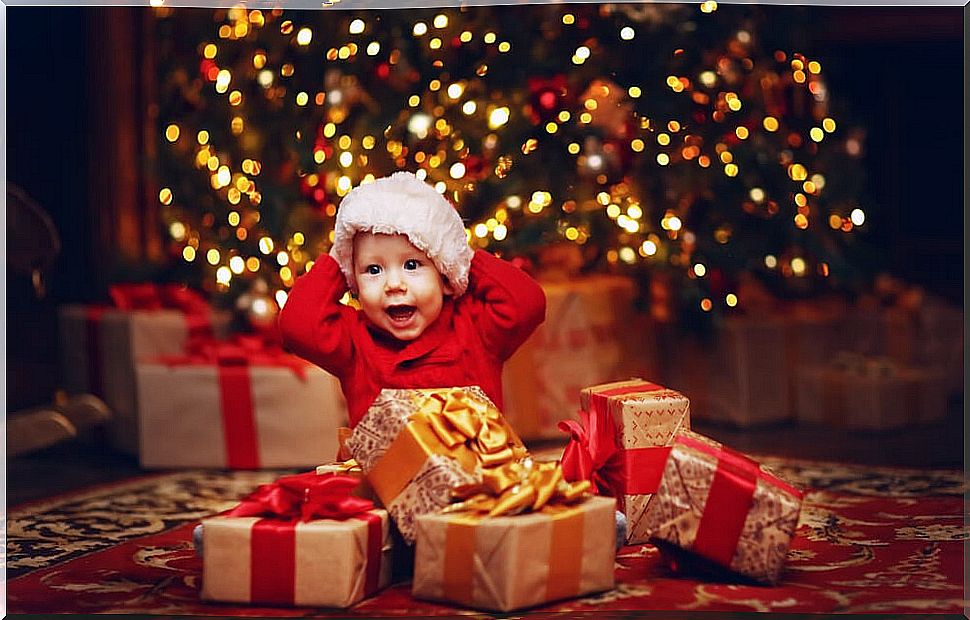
(403, 204)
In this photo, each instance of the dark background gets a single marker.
(898, 71)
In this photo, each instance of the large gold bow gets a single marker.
(518, 486)
(456, 419)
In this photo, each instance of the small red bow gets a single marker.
(152, 296)
(304, 497)
(593, 454)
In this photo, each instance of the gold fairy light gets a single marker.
(165, 196)
(857, 216)
(798, 266)
(188, 253)
(770, 123)
(627, 33)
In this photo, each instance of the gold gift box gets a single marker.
(513, 562)
(416, 445)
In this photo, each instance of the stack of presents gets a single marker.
(441, 479)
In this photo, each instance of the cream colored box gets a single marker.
(121, 338)
(329, 558)
(183, 423)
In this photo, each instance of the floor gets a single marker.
(83, 462)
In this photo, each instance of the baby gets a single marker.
(434, 313)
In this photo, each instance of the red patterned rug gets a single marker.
(870, 540)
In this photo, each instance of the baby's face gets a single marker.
(399, 288)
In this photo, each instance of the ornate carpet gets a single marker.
(869, 540)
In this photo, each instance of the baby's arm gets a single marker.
(313, 322)
(509, 303)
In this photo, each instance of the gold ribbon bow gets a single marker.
(455, 419)
(518, 486)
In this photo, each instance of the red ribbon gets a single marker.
(594, 453)
(287, 501)
(92, 317)
(728, 500)
(152, 296)
(233, 360)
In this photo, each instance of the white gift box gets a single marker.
(255, 415)
(99, 347)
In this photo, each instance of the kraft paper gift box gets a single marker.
(100, 344)
(591, 335)
(513, 562)
(413, 454)
(861, 392)
(622, 443)
(289, 560)
(724, 507)
(230, 407)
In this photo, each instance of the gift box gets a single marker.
(297, 542)
(863, 392)
(724, 507)
(745, 375)
(415, 445)
(99, 345)
(512, 562)
(590, 335)
(238, 405)
(622, 442)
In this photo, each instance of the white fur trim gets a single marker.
(403, 204)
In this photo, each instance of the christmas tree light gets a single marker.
(650, 138)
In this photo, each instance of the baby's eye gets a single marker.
(373, 269)
(411, 264)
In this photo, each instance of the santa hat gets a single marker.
(403, 204)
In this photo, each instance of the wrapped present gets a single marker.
(303, 540)
(416, 445)
(745, 375)
(622, 443)
(99, 344)
(237, 405)
(522, 537)
(590, 336)
(865, 392)
(724, 507)
(912, 328)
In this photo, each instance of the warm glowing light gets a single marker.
(816, 134)
(798, 266)
(797, 172)
(457, 170)
(212, 256)
(498, 117)
(700, 270)
(582, 52)
(356, 26)
(172, 132)
(455, 90)
(649, 247)
(188, 253)
(857, 216)
(304, 36)
(237, 264)
(828, 125)
(420, 29)
(770, 261)
(770, 123)
(627, 33)
(741, 133)
(223, 275)
(165, 196)
(265, 245)
(706, 305)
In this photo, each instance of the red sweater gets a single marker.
(466, 345)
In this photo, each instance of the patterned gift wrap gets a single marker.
(724, 507)
(623, 443)
(513, 562)
(293, 559)
(416, 445)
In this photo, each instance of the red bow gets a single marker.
(151, 296)
(593, 454)
(304, 497)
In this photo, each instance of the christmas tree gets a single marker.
(689, 145)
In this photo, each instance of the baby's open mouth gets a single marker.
(400, 314)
